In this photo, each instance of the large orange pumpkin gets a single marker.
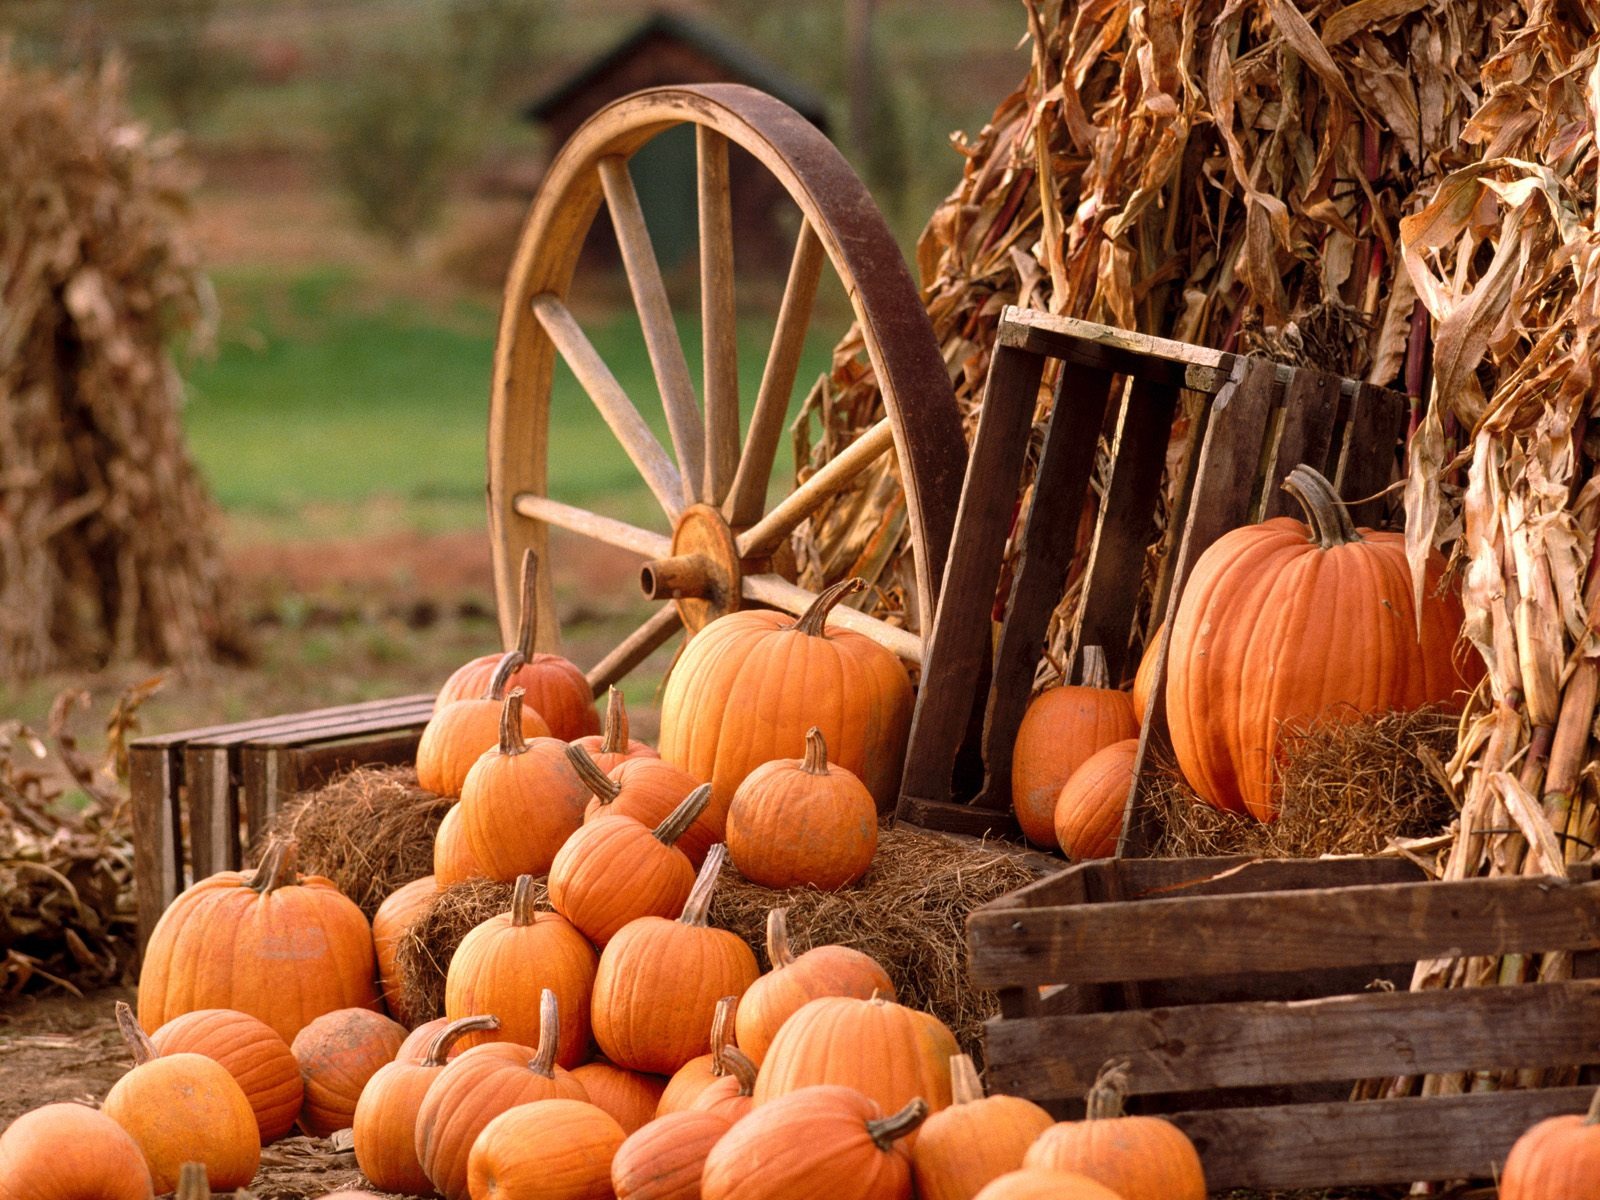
(71, 1152)
(974, 1141)
(612, 746)
(548, 1150)
(648, 790)
(700, 1072)
(664, 1159)
(389, 924)
(1089, 812)
(732, 700)
(338, 1053)
(453, 860)
(271, 943)
(1036, 1183)
(1557, 1159)
(260, 1061)
(460, 732)
(1283, 624)
(629, 1096)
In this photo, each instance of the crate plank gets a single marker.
(1310, 406)
(213, 809)
(153, 772)
(1367, 462)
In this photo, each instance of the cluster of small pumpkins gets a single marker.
(1280, 625)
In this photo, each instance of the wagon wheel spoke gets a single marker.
(655, 319)
(593, 525)
(717, 316)
(768, 533)
(791, 598)
(635, 648)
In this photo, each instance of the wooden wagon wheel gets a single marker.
(720, 549)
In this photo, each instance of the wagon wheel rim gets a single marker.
(713, 487)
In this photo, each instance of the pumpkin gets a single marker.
(338, 1053)
(453, 860)
(385, 1125)
(1144, 679)
(508, 960)
(700, 1072)
(614, 870)
(801, 822)
(793, 982)
(260, 1061)
(1251, 657)
(71, 1152)
(630, 1097)
(659, 982)
(731, 703)
(664, 1159)
(1062, 728)
(480, 1085)
(182, 1108)
(1034, 1183)
(282, 947)
(648, 790)
(731, 1096)
(550, 1150)
(1089, 812)
(519, 802)
(460, 732)
(389, 924)
(882, 1049)
(1556, 1159)
(415, 1048)
(555, 688)
(612, 746)
(815, 1142)
(1138, 1158)
(975, 1140)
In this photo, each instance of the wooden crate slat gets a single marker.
(1310, 405)
(157, 838)
(1367, 458)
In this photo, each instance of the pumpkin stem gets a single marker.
(544, 1055)
(528, 615)
(737, 1061)
(439, 1047)
(722, 1032)
(276, 868)
(676, 823)
(1325, 513)
(511, 740)
(615, 740)
(523, 910)
(1592, 1117)
(1110, 1090)
(816, 759)
(965, 1086)
(604, 787)
(814, 621)
(885, 1130)
(697, 909)
(192, 1182)
(779, 953)
(1092, 669)
(139, 1043)
(510, 663)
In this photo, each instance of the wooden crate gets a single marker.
(1250, 995)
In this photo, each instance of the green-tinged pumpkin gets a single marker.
(975, 1141)
(71, 1152)
(260, 1061)
(664, 1159)
(338, 1053)
(1089, 811)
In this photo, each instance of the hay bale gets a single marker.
(430, 943)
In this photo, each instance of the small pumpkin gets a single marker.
(664, 1159)
(260, 1061)
(71, 1152)
(549, 1150)
(803, 822)
(461, 731)
(817, 1141)
(648, 790)
(1089, 811)
(338, 1053)
(453, 860)
(793, 982)
(629, 1096)
(1036, 1183)
(614, 870)
(731, 1096)
(389, 924)
(612, 746)
(182, 1108)
(659, 982)
(1556, 1159)
(974, 1141)
(1144, 679)
(700, 1072)
(415, 1048)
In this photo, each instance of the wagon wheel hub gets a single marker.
(705, 573)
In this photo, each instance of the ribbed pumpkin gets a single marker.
(477, 1087)
(803, 822)
(460, 732)
(260, 1061)
(1138, 1158)
(1144, 679)
(731, 702)
(1061, 730)
(72, 1152)
(648, 790)
(502, 965)
(733, 1095)
(629, 1096)
(700, 1072)
(1557, 1159)
(885, 1050)
(555, 688)
(389, 924)
(816, 1142)
(794, 982)
(453, 860)
(271, 943)
(975, 1140)
(612, 746)
(338, 1053)
(519, 802)
(1282, 624)
(614, 870)
(660, 980)
(385, 1125)
(1035, 1183)
(415, 1048)
(664, 1159)
(182, 1108)
(1089, 811)
(549, 1150)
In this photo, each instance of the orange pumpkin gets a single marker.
(389, 924)
(519, 802)
(260, 1061)
(71, 1152)
(281, 947)
(629, 1096)
(1556, 1159)
(1251, 655)
(802, 822)
(700, 1072)
(477, 1087)
(614, 870)
(453, 860)
(660, 980)
(731, 704)
(664, 1159)
(385, 1125)
(612, 746)
(794, 982)
(975, 1140)
(732, 1096)
(1144, 679)
(502, 964)
(338, 1053)
(461, 732)
(648, 790)
(549, 1150)
(182, 1108)
(818, 1141)
(415, 1048)
(1089, 812)
(1034, 1183)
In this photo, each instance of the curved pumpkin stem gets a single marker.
(528, 614)
(523, 910)
(615, 740)
(779, 953)
(965, 1086)
(676, 823)
(511, 740)
(885, 1130)
(722, 1032)
(1092, 670)
(738, 1062)
(139, 1043)
(816, 759)
(277, 868)
(193, 1183)
(1110, 1090)
(604, 787)
(510, 663)
(1325, 513)
(544, 1055)
(439, 1047)
(814, 621)
(1592, 1117)
(697, 909)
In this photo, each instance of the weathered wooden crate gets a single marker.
(1249, 996)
